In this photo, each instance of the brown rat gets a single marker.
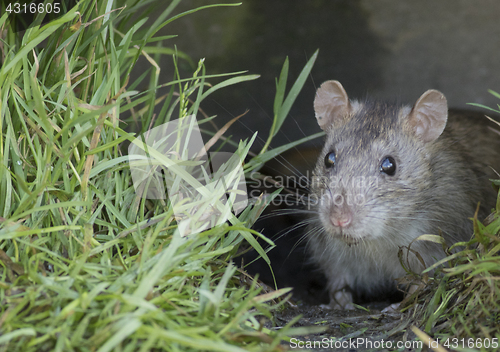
(388, 174)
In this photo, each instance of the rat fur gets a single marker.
(388, 174)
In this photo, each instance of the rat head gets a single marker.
(373, 177)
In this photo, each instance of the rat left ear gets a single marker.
(429, 115)
(331, 104)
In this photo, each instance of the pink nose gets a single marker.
(342, 220)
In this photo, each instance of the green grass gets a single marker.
(459, 305)
(87, 263)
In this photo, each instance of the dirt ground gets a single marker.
(356, 330)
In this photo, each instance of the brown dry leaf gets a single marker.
(216, 137)
(17, 268)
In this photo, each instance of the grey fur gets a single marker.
(435, 190)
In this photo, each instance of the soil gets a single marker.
(367, 329)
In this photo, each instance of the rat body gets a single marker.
(388, 174)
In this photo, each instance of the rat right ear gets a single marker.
(331, 104)
(429, 115)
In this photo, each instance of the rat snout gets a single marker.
(342, 220)
(340, 213)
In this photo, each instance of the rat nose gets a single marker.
(340, 212)
(341, 220)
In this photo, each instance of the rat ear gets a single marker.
(331, 103)
(428, 116)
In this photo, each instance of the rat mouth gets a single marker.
(349, 235)
(349, 240)
(343, 235)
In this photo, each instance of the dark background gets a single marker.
(388, 49)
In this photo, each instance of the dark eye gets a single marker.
(330, 160)
(388, 166)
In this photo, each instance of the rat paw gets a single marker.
(392, 309)
(341, 299)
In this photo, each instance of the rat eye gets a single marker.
(388, 166)
(330, 160)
